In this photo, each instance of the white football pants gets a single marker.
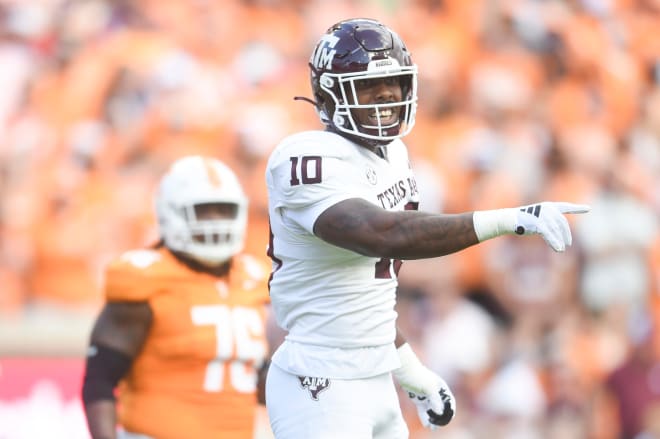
(318, 408)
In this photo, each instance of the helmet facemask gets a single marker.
(213, 240)
(342, 89)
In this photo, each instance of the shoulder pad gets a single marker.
(134, 275)
(322, 143)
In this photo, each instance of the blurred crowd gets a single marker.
(519, 101)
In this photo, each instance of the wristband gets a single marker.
(413, 375)
(492, 223)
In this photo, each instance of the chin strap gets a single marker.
(303, 98)
(317, 107)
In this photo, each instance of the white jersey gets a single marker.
(337, 305)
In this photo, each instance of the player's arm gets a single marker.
(117, 336)
(364, 228)
(357, 225)
(435, 402)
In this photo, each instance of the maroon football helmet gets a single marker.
(358, 49)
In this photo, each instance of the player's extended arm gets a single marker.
(116, 339)
(360, 226)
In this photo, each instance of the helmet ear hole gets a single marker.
(327, 81)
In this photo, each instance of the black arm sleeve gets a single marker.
(104, 368)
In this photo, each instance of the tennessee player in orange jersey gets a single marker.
(182, 336)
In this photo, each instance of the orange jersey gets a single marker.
(195, 376)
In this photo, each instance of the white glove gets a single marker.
(435, 403)
(546, 219)
(436, 410)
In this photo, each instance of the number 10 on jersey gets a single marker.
(305, 170)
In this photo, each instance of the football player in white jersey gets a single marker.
(343, 215)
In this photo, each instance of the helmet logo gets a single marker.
(211, 173)
(325, 53)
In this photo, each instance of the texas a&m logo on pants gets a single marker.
(315, 385)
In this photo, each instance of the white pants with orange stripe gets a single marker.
(319, 408)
